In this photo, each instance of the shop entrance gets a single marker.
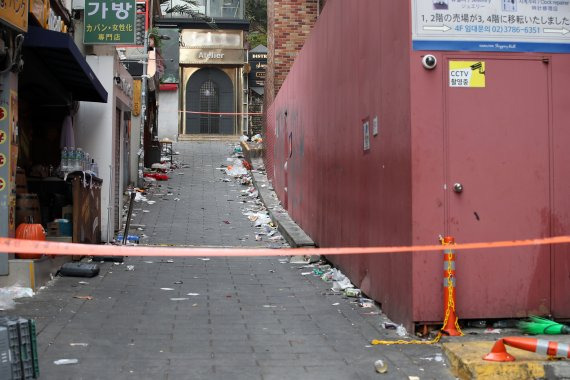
(498, 188)
(209, 91)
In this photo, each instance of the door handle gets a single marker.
(457, 187)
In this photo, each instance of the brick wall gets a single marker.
(289, 22)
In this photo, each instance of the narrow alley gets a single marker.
(218, 318)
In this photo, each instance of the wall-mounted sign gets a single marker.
(491, 25)
(15, 14)
(466, 74)
(196, 38)
(375, 126)
(136, 97)
(366, 134)
(109, 22)
(215, 56)
(258, 64)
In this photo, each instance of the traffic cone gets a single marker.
(539, 346)
(499, 353)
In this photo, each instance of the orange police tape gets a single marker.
(221, 113)
(10, 245)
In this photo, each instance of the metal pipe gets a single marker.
(109, 204)
(129, 214)
(143, 109)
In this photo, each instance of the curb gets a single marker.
(290, 230)
(466, 362)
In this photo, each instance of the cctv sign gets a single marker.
(466, 74)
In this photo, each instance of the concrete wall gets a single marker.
(94, 130)
(168, 115)
(136, 146)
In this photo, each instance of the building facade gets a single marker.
(212, 94)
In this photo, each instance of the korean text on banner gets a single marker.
(491, 25)
(110, 22)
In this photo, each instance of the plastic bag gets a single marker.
(9, 294)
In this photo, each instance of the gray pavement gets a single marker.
(237, 318)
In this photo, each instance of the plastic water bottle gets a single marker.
(94, 168)
(87, 162)
(64, 165)
(79, 157)
(70, 159)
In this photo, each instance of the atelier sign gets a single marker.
(219, 56)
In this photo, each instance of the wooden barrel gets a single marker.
(21, 182)
(27, 205)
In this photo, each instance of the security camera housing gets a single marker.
(429, 61)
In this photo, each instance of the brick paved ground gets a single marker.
(246, 318)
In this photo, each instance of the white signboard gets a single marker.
(491, 25)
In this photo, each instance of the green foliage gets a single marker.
(256, 13)
(256, 38)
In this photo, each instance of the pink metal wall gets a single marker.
(353, 66)
(526, 188)
(358, 64)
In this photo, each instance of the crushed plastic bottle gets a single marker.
(65, 361)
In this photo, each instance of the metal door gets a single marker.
(498, 188)
(209, 106)
(209, 94)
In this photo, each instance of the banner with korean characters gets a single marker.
(110, 22)
(14, 13)
(491, 25)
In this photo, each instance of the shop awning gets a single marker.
(258, 90)
(60, 54)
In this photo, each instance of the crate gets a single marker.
(34, 341)
(12, 328)
(25, 348)
(22, 344)
(5, 364)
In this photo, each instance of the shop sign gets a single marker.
(136, 97)
(220, 56)
(256, 77)
(258, 63)
(491, 25)
(191, 38)
(110, 22)
(15, 14)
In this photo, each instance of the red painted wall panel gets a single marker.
(560, 137)
(353, 66)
